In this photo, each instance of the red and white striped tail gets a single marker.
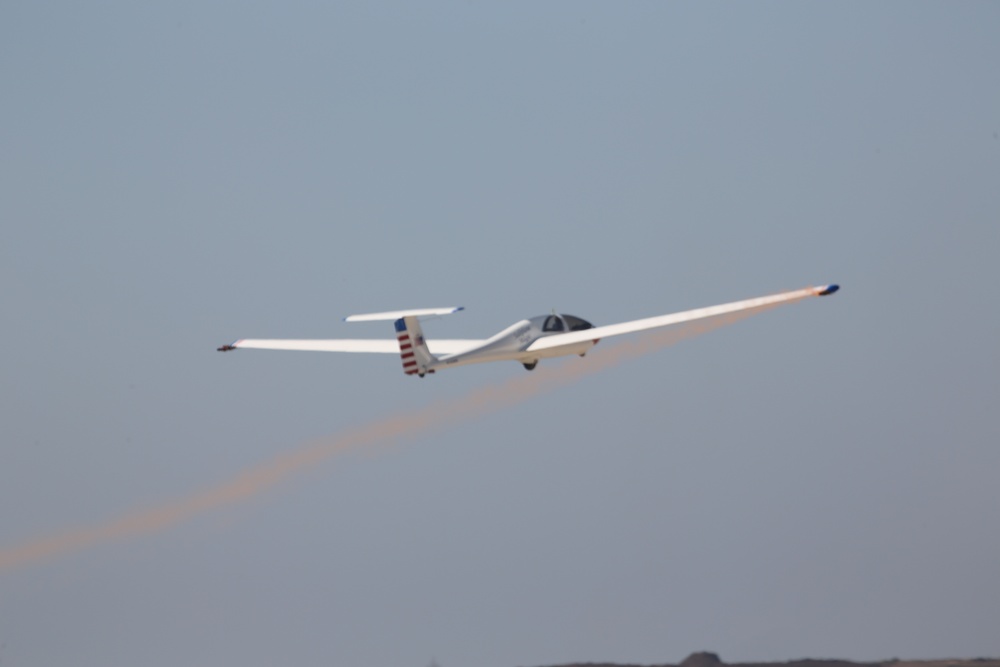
(417, 359)
(406, 350)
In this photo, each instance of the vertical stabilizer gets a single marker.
(417, 359)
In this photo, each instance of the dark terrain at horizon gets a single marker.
(707, 659)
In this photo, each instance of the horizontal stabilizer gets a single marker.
(396, 314)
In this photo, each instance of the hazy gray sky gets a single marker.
(820, 480)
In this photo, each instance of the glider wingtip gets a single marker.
(826, 290)
(229, 347)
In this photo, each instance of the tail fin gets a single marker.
(417, 359)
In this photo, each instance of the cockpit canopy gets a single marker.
(561, 323)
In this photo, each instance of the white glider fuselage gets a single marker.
(512, 343)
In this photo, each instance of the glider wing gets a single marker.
(444, 346)
(597, 333)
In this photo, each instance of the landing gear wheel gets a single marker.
(529, 367)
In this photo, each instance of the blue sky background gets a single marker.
(820, 480)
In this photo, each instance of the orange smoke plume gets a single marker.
(262, 477)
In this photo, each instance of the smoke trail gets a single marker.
(262, 477)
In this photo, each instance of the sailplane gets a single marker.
(527, 341)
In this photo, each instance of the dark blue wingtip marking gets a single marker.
(830, 289)
(460, 308)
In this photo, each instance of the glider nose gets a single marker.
(826, 289)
